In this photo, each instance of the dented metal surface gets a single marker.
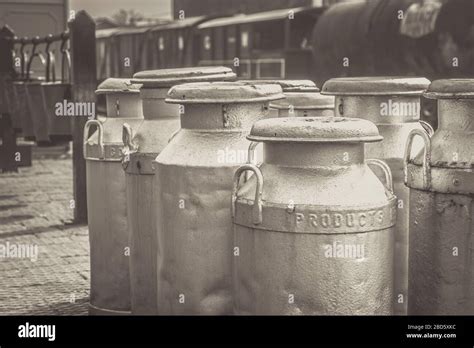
(393, 104)
(106, 202)
(314, 226)
(141, 146)
(194, 179)
(441, 181)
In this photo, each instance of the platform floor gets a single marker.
(44, 261)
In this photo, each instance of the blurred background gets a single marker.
(263, 39)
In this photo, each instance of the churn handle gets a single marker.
(426, 155)
(129, 146)
(428, 128)
(100, 136)
(251, 157)
(257, 206)
(251, 152)
(386, 170)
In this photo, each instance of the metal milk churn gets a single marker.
(142, 145)
(441, 182)
(304, 101)
(302, 98)
(194, 179)
(393, 104)
(106, 198)
(314, 226)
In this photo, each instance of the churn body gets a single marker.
(142, 145)
(314, 225)
(106, 199)
(393, 104)
(194, 179)
(441, 182)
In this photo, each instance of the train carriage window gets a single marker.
(207, 42)
(180, 42)
(244, 39)
(161, 43)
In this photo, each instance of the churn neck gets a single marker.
(156, 83)
(122, 98)
(456, 114)
(154, 104)
(235, 116)
(314, 155)
(455, 103)
(379, 109)
(379, 99)
(223, 105)
(314, 141)
(123, 105)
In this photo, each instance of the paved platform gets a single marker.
(44, 261)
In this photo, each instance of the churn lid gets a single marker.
(171, 77)
(305, 101)
(378, 85)
(288, 85)
(115, 85)
(223, 93)
(314, 129)
(451, 89)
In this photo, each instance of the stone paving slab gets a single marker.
(50, 272)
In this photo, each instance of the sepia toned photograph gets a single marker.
(237, 158)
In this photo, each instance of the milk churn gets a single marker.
(302, 98)
(194, 179)
(441, 181)
(142, 145)
(303, 101)
(393, 104)
(106, 198)
(314, 226)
